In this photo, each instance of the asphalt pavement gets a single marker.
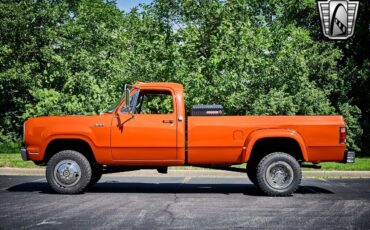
(166, 202)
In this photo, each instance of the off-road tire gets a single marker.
(83, 164)
(282, 162)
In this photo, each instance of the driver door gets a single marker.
(149, 133)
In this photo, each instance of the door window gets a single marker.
(154, 102)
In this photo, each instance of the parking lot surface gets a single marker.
(119, 202)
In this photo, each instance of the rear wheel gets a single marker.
(68, 172)
(278, 174)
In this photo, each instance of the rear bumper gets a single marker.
(349, 157)
(24, 154)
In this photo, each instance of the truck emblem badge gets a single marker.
(338, 18)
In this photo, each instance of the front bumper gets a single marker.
(349, 157)
(24, 154)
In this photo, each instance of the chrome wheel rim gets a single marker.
(67, 173)
(279, 175)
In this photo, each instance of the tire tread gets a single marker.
(296, 169)
(84, 164)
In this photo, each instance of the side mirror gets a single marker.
(127, 100)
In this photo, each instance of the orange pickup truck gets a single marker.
(148, 129)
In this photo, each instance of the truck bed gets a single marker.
(222, 139)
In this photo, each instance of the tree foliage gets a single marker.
(253, 57)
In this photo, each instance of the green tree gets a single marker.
(58, 57)
(253, 57)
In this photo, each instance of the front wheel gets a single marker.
(279, 174)
(68, 172)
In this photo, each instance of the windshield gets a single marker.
(132, 102)
(114, 106)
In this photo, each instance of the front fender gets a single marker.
(271, 133)
(40, 137)
(44, 144)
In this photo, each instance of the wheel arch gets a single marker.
(80, 144)
(268, 140)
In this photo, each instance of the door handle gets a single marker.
(168, 121)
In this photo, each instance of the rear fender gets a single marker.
(271, 133)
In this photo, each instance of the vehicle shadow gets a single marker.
(120, 187)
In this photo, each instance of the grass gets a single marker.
(15, 160)
(362, 164)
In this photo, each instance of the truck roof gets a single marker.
(173, 85)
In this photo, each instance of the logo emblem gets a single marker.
(338, 18)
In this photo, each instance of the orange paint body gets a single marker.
(146, 140)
